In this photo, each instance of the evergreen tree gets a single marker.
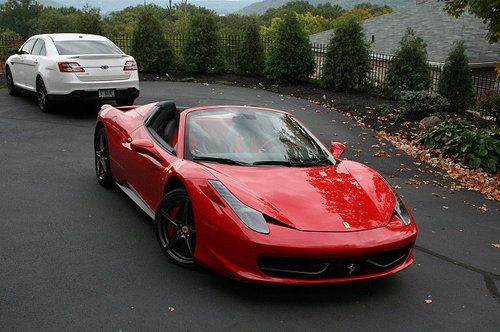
(150, 47)
(455, 83)
(202, 49)
(89, 21)
(347, 58)
(409, 69)
(251, 51)
(290, 59)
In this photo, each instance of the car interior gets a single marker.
(163, 124)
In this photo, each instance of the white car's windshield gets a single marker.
(75, 47)
(249, 136)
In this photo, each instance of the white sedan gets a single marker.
(59, 67)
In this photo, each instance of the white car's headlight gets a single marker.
(401, 211)
(250, 217)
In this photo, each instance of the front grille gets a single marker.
(345, 267)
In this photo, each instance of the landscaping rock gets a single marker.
(429, 121)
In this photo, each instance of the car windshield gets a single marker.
(251, 137)
(75, 47)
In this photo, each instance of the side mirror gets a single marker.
(337, 149)
(146, 146)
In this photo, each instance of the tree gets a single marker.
(347, 58)
(327, 10)
(362, 11)
(455, 83)
(17, 15)
(251, 52)
(202, 48)
(409, 69)
(235, 24)
(149, 45)
(52, 20)
(124, 21)
(487, 10)
(290, 58)
(298, 7)
(89, 21)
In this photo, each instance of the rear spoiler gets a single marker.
(92, 56)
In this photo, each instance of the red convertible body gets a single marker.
(251, 194)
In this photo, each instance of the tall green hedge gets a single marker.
(250, 59)
(455, 83)
(202, 49)
(347, 58)
(150, 47)
(409, 70)
(290, 58)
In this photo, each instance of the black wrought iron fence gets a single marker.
(483, 81)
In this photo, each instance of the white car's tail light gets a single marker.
(70, 67)
(130, 66)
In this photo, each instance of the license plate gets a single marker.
(108, 93)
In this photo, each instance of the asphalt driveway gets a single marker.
(75, 256)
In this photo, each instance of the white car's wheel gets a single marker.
(44, 103)
(13, 91)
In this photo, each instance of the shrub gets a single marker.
(383, 108)
(251, 51)
(150, 48)
(436, 137)
(476, 147)
(455, 83)
(416, 105)
(347, 58)
(409, 69)
(202, 49)
(10, 40)
(489, 105)
(290, 59)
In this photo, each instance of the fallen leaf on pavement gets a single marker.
(380, 153)
(428, 301)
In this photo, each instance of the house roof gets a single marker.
(434, 25)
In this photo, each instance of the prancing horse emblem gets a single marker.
(351, 268)
(104, 67)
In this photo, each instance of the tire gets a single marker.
(44, 103)
(13, 91)
(125, 102)
(175, 228)
(101, 152)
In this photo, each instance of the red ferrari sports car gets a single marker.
(250, 193)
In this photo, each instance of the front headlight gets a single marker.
(401, 211)
(250, 217)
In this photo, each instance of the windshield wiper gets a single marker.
(294, 163)
(273, 162)
(221, 160)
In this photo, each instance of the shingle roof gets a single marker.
(434, 25)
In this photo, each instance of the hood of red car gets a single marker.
(339, 198)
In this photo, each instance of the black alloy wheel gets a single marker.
(176, 230)
(102, 168)
(13, 91)
(42, 97)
